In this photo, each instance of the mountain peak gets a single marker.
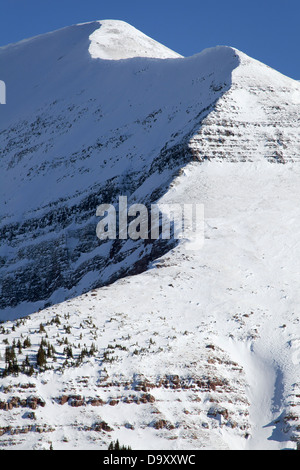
(115, 40)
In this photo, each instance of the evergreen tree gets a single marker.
(12, 366)
(68, 351)
(26, 343)
(41, 357)
(116, 446)
(93, 350)
(19, 345)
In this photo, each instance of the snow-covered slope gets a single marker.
(78, 131)
(116, 40)
(258, 117)
(201, 349)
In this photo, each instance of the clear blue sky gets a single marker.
(268, 30)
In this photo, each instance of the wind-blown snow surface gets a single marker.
(202, 349)
(116, 40)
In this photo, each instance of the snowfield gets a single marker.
(198, 349)
(116, 40)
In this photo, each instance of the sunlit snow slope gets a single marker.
(116, 40)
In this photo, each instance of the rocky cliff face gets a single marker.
(258, 118)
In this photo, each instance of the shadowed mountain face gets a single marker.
(79, 130)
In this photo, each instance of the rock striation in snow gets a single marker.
(258, 118)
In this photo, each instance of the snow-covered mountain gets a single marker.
(78, 131)
(201, 348)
